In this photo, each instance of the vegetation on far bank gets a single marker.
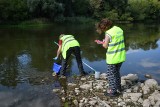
(79, 11)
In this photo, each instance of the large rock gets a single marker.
(157, 104)
(134, 96)
(146, 103)
(154, 97)
(131, 77)
(145, 89)
(151, 83)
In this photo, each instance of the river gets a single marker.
(26, 59)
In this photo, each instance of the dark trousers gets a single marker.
(114, 78)
(76, 52)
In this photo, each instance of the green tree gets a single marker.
(81, 8)
(45, 8)
(13, 10)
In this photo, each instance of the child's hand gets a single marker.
(99, 42)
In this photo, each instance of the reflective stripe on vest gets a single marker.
(113, 52)
(114, 44)
(67, 42)
(116, 48)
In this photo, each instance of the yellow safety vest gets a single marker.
(67, 42)
(116, 49)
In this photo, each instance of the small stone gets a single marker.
(54, 74)
(56, 90)
(148, 76)
(63, 99)
(93, 102)
(83, 79)
(81, 104)
(140, 100)
(75, 102)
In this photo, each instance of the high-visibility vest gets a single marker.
(67, 42)
(116, 48)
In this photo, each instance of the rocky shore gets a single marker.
(89, 92)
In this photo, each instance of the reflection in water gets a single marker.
(34, 65)
(148, 63)
(130, 51)
(31, 70)
(24, 60)
(8, 72)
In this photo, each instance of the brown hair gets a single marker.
(104, 24)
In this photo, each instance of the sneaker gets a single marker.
(83, 73)
(62, 77)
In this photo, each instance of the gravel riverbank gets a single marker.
(89, 92)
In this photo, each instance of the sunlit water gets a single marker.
(26, 59)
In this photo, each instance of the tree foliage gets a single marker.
(126, 10)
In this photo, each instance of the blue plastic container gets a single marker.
(56, 68)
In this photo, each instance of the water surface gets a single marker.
(26, 59)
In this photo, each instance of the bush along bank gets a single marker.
(89, 92)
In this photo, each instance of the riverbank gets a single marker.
(46, 21)
(89, 92)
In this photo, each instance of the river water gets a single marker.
(26, 59)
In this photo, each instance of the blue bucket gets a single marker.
(56, 68)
